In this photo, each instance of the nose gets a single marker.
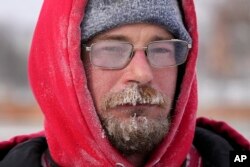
(139, 70)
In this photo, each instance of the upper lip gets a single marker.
(137, 105)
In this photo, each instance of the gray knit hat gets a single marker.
(103, 15)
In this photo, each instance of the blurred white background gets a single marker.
(223, 66)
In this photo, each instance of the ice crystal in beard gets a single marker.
(136, 134)
(133, 95)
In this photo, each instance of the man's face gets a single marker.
(133, 103)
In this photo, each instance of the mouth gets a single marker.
(134, 96)
(135, 110)
(136, 106)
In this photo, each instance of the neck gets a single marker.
(137, 160)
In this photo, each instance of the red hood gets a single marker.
(72, 128)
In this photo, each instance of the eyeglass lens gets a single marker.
(116, 55)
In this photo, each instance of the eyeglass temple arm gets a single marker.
(88, 48)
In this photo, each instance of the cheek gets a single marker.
(165, 79)
(100, 83)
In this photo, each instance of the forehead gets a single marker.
(135, 32)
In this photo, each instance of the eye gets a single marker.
(160, 50)
(112, 48)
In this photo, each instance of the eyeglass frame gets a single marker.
(88, 49)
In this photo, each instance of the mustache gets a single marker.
(134, 94)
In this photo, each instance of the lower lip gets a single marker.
(136, 107)
(126, 111)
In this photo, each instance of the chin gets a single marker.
(125, 132)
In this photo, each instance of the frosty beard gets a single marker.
(138, 133)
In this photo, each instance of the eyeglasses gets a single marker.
(111, 54)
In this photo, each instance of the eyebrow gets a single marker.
(113, 37)
(159, 38)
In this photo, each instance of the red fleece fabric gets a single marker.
(72, 128)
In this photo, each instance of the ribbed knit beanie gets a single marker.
(103, 15)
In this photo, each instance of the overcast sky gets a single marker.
(20, 12)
